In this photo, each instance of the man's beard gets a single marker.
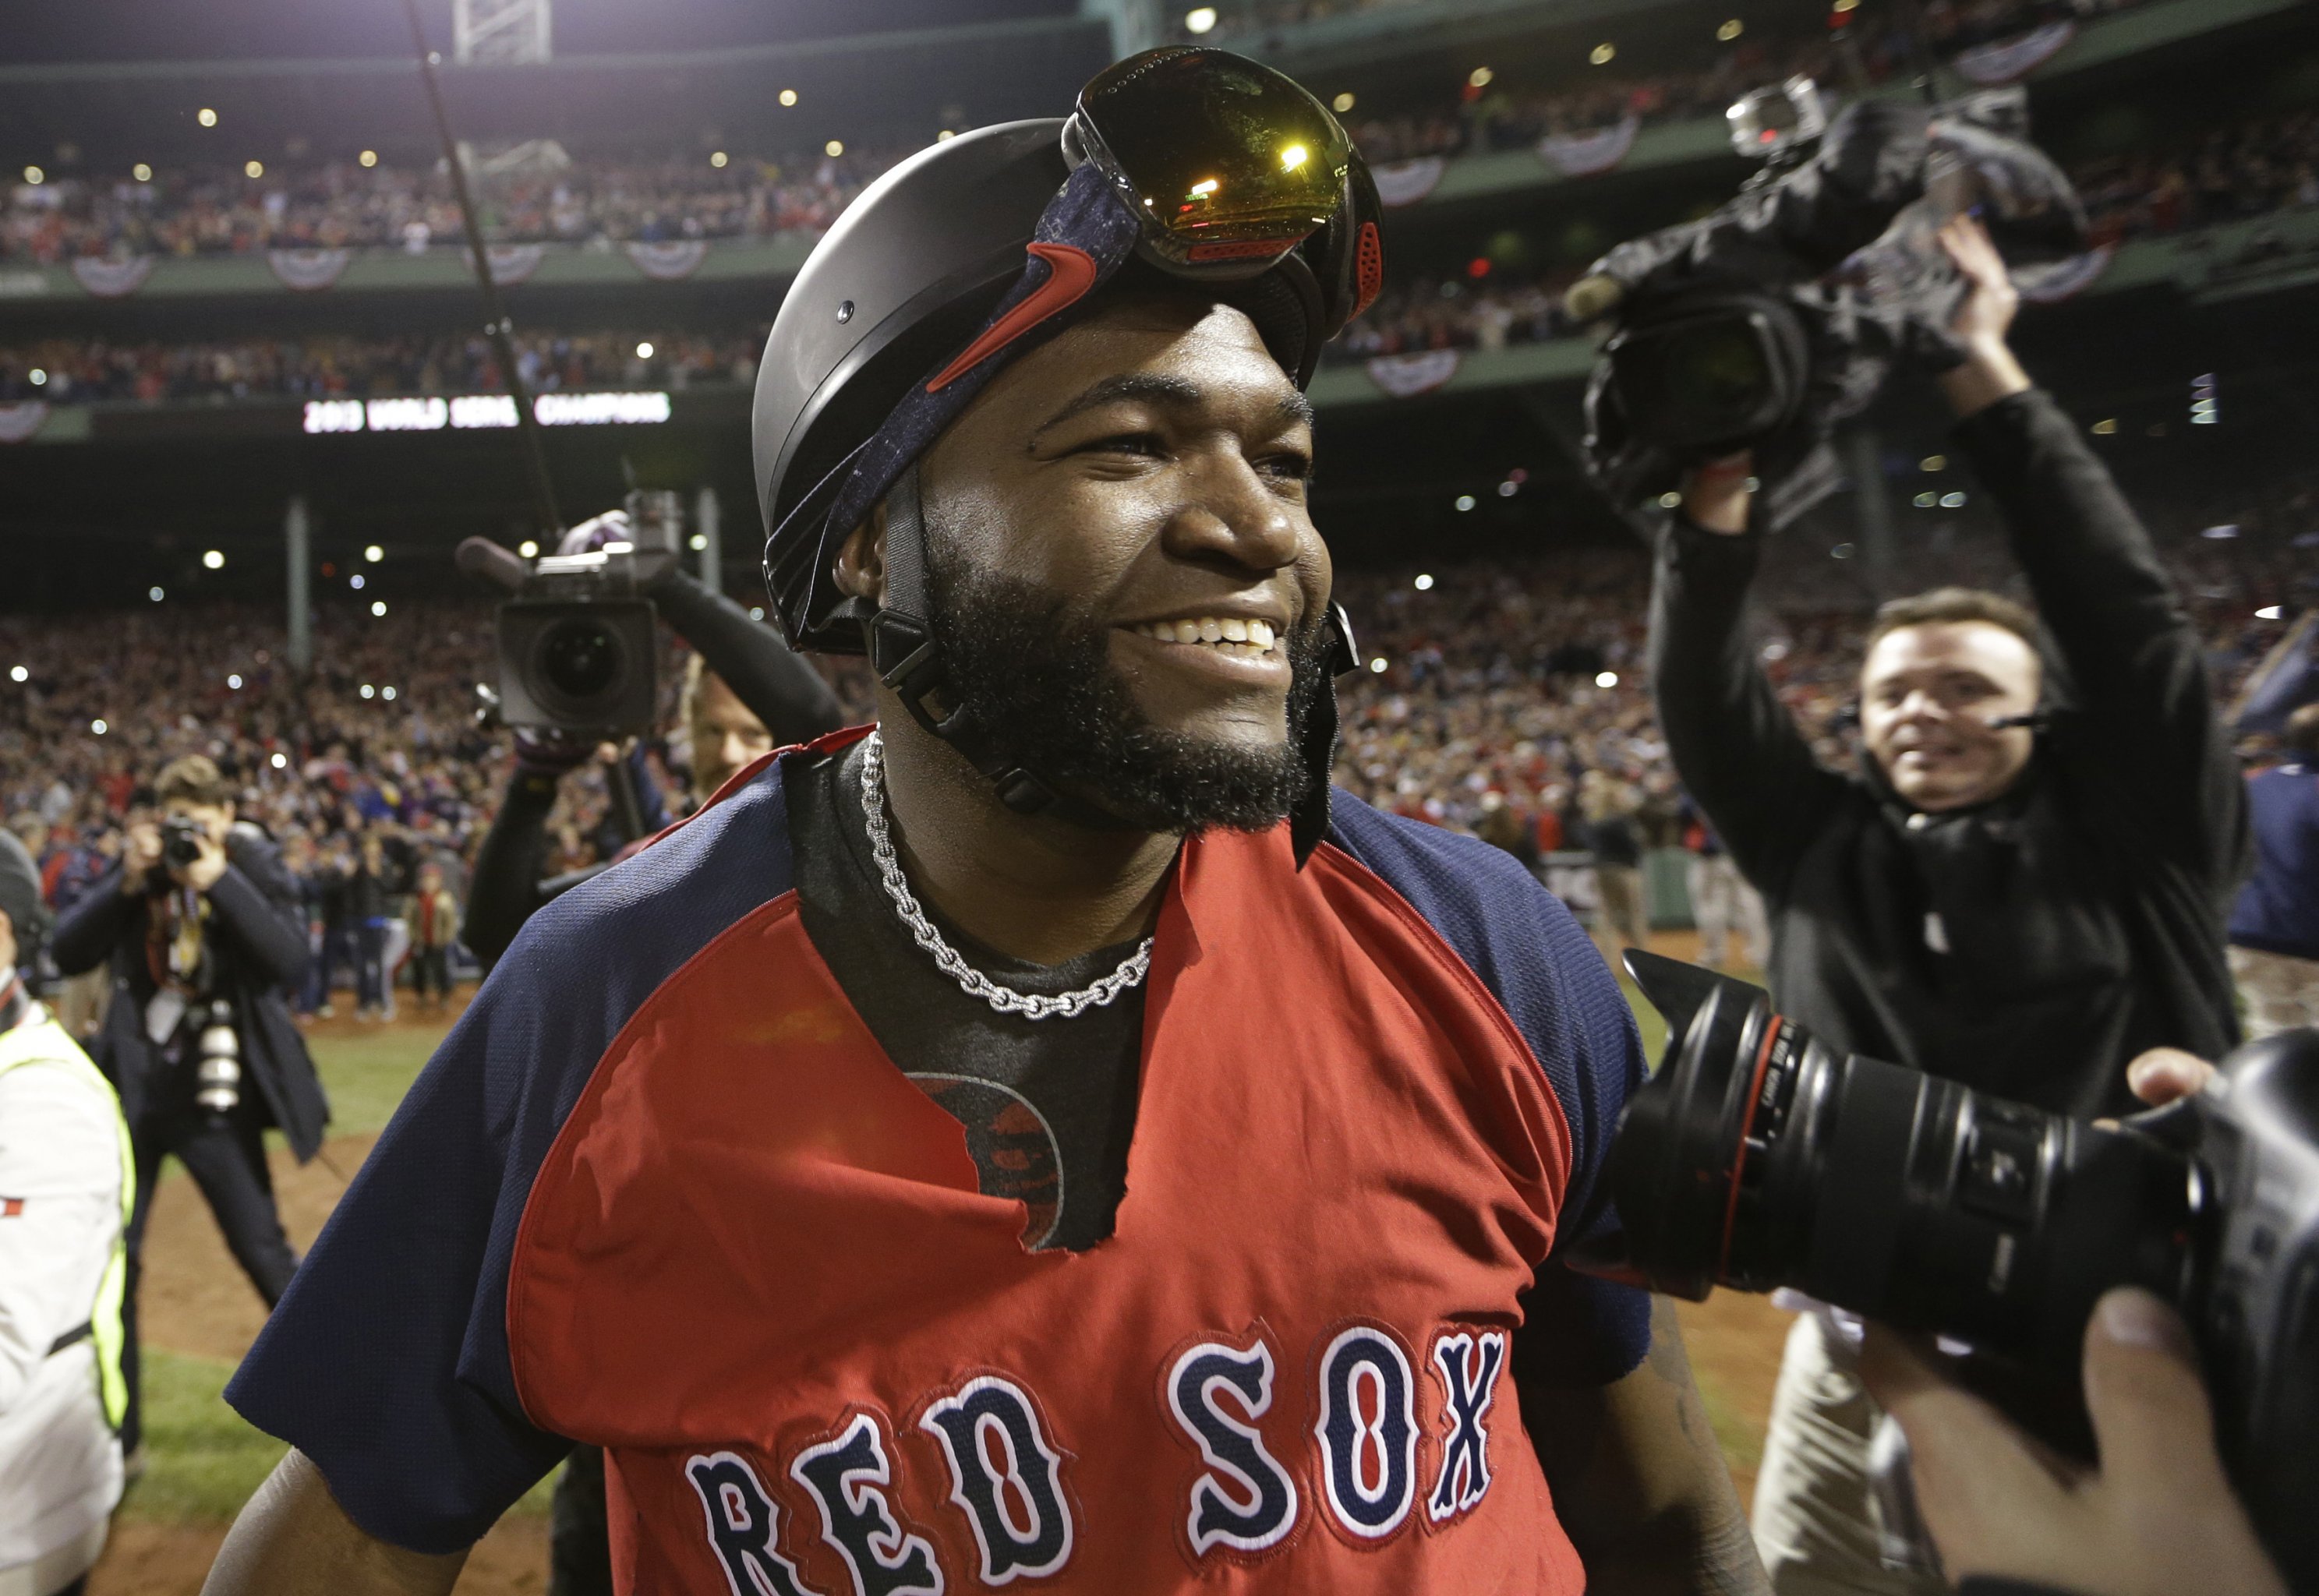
(1024, 662)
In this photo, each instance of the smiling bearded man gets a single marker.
(1041, 1138)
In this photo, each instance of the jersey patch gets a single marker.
(1243, 1501)
(1368, 1433)
(1468, 1363)
(1004, 1476)
(744, 1526)
(849, 1478)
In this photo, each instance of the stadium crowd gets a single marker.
(1512, 697)
(373, 205)
(335, 366)
(2260, 167)
(347, 205)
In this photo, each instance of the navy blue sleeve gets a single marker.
(387, 1361)
(1539, 964)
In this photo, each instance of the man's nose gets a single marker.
(1234, 514)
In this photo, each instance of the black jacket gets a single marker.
(2082, 912)
(259, 940)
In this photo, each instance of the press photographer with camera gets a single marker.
(2027, 882)
(206, 936)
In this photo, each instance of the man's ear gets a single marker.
(861, 568)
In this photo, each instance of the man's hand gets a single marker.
(2157, 1517)
(1990, 372)
(204, 873)
(139, 854)
(1716, 494)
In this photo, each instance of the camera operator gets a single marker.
(745, 693)
(2275, 927)
(64, 1169)
(206, 936)
(2157, 1517)
(2016, 891)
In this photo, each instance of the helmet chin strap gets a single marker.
(907, 660)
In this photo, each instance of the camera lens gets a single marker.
(1758, 1158)
(581, 659)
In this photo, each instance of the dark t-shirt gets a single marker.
(1049, 1105)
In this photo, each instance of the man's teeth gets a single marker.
(1247, 639)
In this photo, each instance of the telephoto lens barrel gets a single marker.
(1757, 1158)
(217, 1068)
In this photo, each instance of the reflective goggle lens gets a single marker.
(1228, 160)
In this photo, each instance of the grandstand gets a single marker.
(228, 253)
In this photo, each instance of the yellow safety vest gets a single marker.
(44, 1042)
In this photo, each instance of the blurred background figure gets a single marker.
(2275, 925)
(1611, 809)
(434, 930)
(1722, 903)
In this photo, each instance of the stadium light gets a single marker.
(527, 549)
(355, 581)
(253, 169)
(1508, 489)
(1934, 462)
(1670, 500)
(835, 147)
(368, 157)
(789, 96)
(369, 691)
(214, 560)
(1199, 18)
(2222, 534)
(1607, 679)
(378, 606)
(374, 554)
(2106, 427)
(698, 542)
(38, 376)
(233, 683)
(35, 176)
(718, 158)
(756, 612)
(1926, 500)
(141, 172)
(154, 594)
(20, 675)
(2268, 612)
(1730, 30)
(1479, 78)
(281, 762)
(1603, 54)
(206, 117)
(1376, 666)
(1424, 582)
(1343, 103)
(644, 350)
(1465, 501)
(387, 693)
(945, 136)
(99, 727)
(1951, 501)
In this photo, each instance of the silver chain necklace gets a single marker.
(1031, 1006)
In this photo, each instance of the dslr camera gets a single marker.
(1763, 324)
(181, 842)
(1757, 1158)
(577, 643)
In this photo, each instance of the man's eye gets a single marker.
(1124, 443)
(1290, 466)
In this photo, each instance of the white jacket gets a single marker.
(60, 1204)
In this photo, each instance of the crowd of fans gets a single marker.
(335, 366)
(2261, 167)
(1511, 701)
(345, 204)
(226, 211)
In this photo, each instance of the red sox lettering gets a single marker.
(1005, 1470)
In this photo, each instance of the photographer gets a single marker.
(745, 693)
(204, 931)
(2026, 881)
